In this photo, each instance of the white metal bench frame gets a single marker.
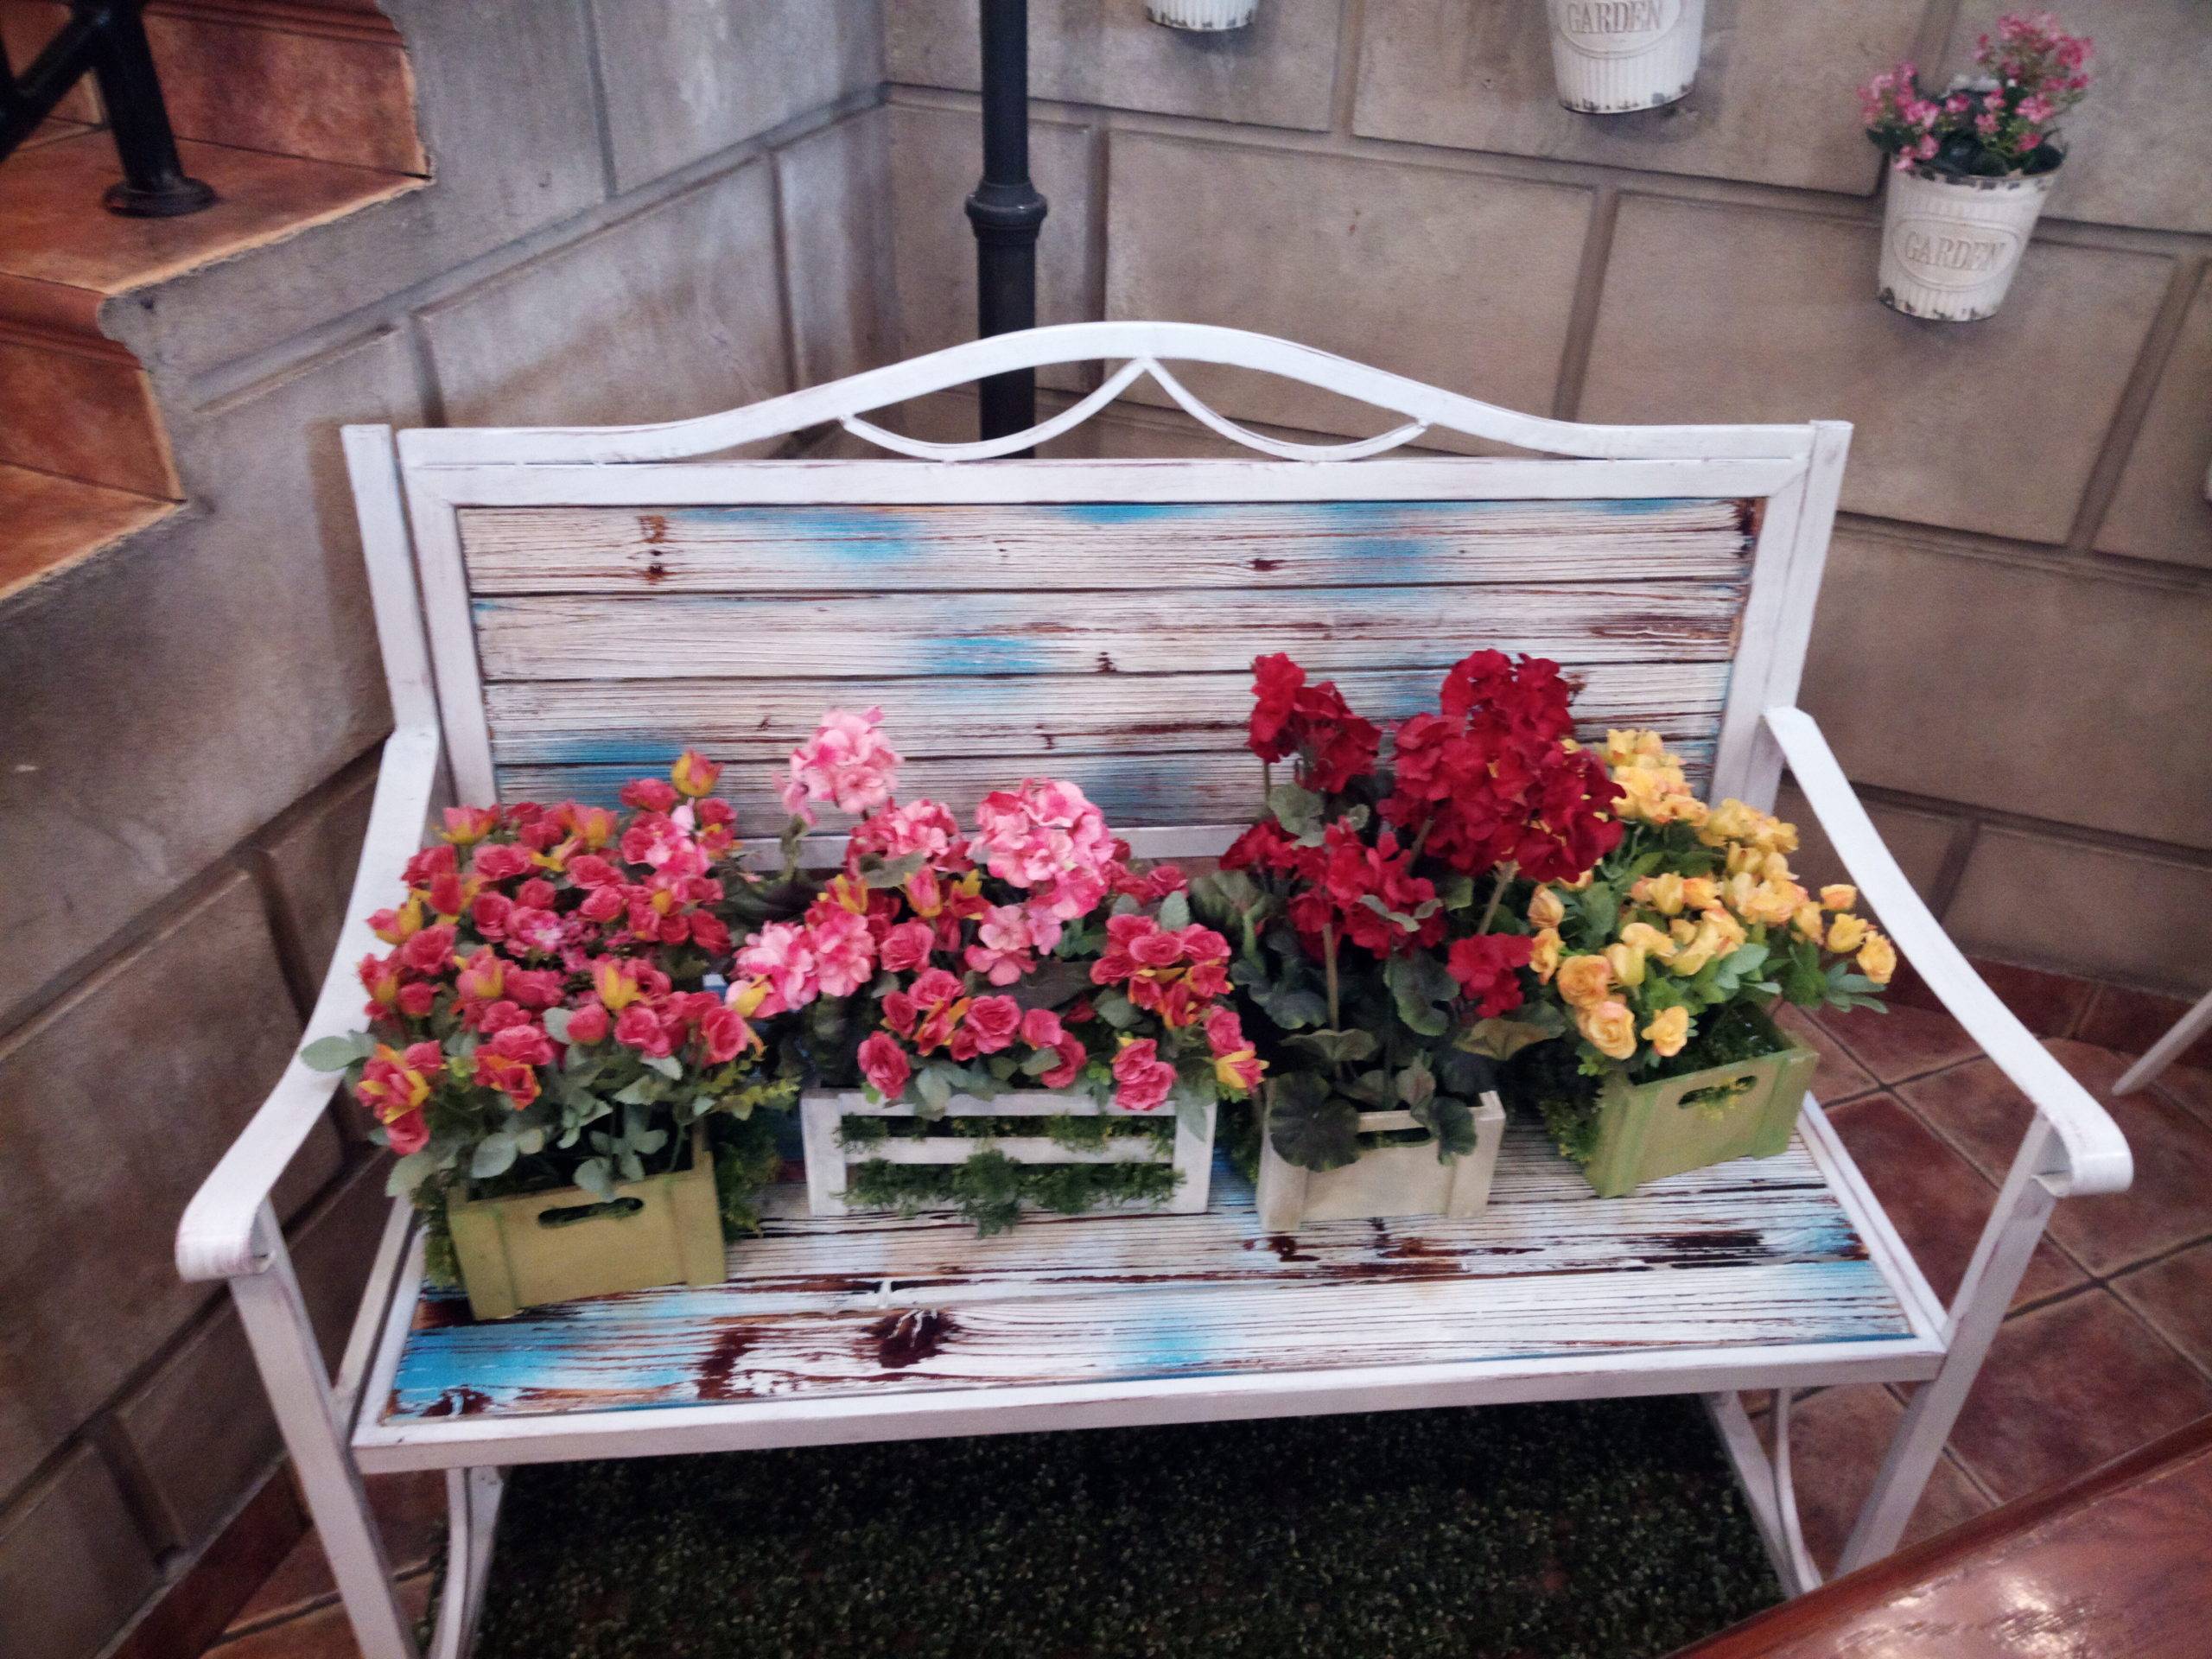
(407, 494)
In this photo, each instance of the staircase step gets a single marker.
(52, 522)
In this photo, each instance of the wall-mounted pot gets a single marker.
(1951, 242)
(1613, 56)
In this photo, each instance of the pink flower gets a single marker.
(640, 1028)
(533, 930)
(934, 988)
(885, 1064)
(925, 827)
(1001, 952)
(723, 1035)
(779, 955)
(844, 950)
(648, 794)
(906, 946)
(1046, 831)
(995, 1020)
(525, 1042)
(500, 860)
(409, 1132)
(1073, 1058)
(588, 1024)
(847, 762)
(1142, 1078)
(1041, 1028)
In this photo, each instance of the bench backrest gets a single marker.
(595, 597)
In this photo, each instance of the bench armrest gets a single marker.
(215, 1239)
(2096, 1155)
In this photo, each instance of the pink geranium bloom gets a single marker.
(847, 762)
(885, 1064)
(1045, 830)
(844, 950)
(925, 826)
(1001, 950)
(780, 956)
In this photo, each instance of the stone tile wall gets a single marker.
(2014, 646)
(624, 222)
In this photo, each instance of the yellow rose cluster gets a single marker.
(1672, 926)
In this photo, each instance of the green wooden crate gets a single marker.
(556, 1246)
(1744, 1109)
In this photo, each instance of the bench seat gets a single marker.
(876, 1328)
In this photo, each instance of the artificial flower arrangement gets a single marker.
(1380, 906)
(1666, 961)
(541, 1040)
(977, 983)
(1973, 166)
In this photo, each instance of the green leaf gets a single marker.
(1416, 1085)
(1221, 896)
(1501, 1039)
(634, 1168)
(1457, 892)
(934, 1087)
(1039, 1063)
(556, 1021)
(1116, 1009)
(1373, 1088)
(1297, 808)
(494, 1155)
(1175, 912)
(1451, 1122)
(410, 1173)
(1353, 1044)
(596, 1177)
(336, 1053)
(649, 1143)
(1290, 1007)
(643, 1092)
(667, 1064)
(1309, 1125)
(1418, 982)
(1599, 908)
(890, 872)
(531, 1140)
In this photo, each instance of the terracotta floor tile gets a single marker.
(2175, 1295)
(1840, 1077)
(2131, 1020)
(322, 1633)
(2049, 1004)
(1903, 1042)
(2066, 1387)
(411, 1511)
(1935, 1198)
(2190, 1084)
(2170, 1202)
(1837, 1440)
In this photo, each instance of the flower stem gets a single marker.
(1505, 874)
(1329, 967)
(1267, 782)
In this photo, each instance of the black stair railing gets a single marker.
(106, 39)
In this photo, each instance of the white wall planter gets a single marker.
(1383, 1180)
(1951, 244)
(1613, 56)
(829, 1162)
(1208, 15)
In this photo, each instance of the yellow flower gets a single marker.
(748, 996)
(1648, 939)
(1727, 932)
(1878, 958)
(1807, 923)
(1545, 909)
(1773, 902)
(1626, 962)
(1838, 895)
(1583, 980)
(1544, 956)
(1669, 1030)
(1730, 821)
(1681, 930)
(1661, 892)
(1609, 1028)
(1744, 861)
(1845, 933)
(1775, 868)
(1578, 883)
(1700, 892)
(1627, 748)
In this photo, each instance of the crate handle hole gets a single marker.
(569, 1214)
(1714, 1100)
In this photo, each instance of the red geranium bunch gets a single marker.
(540, 1016)
(1028, 951)
(1382, 900)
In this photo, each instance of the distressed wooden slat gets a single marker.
(865, 637)
(994, 548)
(1133, 791)
(1753, 1254)
(632, 722)
(1021, 1148)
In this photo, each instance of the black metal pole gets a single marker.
(1007, 212)
(154, 182)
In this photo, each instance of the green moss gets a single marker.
(1605, 1529)
(990, 1189)
(1062, 1130)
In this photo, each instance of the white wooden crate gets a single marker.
(829, 1161)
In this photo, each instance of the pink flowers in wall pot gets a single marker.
(1971, 167)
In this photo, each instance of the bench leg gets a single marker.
(2007, 1243)
(1768, 1486)
(472, 1514)
(290, 1361)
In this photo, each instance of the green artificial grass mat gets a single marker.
(1593, 1531)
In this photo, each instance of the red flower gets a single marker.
(588, 1024)
(1351, 872)
(650, 795)
(640, 1028)
(1487, 966)
(407, 1133)
(1276, 681)
(511, 1077)
(417, 1001)
(1073, 1058)
(723, 1033)
(885, 1064)
(429, 952)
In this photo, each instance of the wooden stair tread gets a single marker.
(53, 228)
(53, 522)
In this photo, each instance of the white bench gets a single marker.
(595, 597)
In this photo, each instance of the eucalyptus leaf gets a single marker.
(634, 1168)
(1116, 1009)
(596, 1177)
(336, 1053)
(494, 1155)
(1175, 912)
(556, 1021)
(667, 1064)
(934, 1087)
(643, 1092)
(409, 1172)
